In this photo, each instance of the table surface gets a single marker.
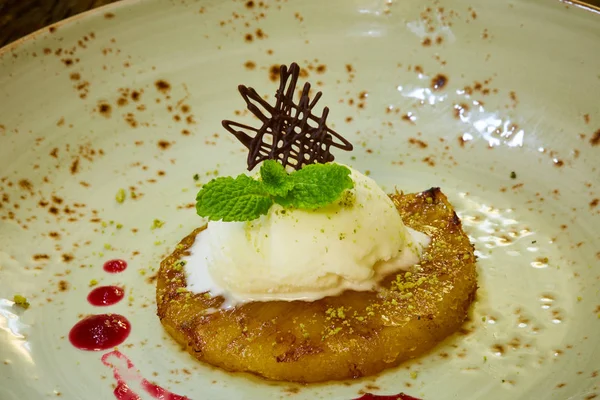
(21, 17)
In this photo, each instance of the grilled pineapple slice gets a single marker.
(351, 335)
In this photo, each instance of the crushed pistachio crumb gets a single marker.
(21, 301)
(178, 265)
(93, 282)
(120, 196)
(157, 223)
(304, 332)
(331, 332)
(107, 246)
(513, 175)
(414, 374)
(196, 177)
(348, 199)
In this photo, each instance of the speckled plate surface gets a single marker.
(495, 102)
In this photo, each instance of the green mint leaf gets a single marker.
(316, 186)
(229, 199)
(277, 181)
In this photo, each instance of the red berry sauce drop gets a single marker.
(124, 392)
(105, 296)
(115, 266)
(125, 372)
(400, 396)
(158, 392)
(100, 332)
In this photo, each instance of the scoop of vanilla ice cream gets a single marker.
(298, 254)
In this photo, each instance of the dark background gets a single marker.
(21, 17)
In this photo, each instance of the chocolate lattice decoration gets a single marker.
(290, 132)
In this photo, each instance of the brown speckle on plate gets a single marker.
(104, 109)
(26, 185)
(513, 97)
(595, 139)
(498, 349)
(163, 144)
(438, 82)
(274, 73)
(429, 161)
(162, 86)
(417, 142)
(409, 117)
(260, 34)
(63, 286)
(74, 166)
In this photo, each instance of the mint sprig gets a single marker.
(245, 199)
(229, 199)
(275, 179)
(315, 186)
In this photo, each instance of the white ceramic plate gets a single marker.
(81, 116)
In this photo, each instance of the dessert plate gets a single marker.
(110, 120)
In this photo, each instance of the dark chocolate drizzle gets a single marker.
(290, 132)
